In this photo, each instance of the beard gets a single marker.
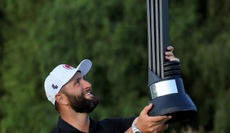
(82, 105)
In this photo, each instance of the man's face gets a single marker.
(80, 95)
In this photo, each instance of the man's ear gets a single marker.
(61, 99)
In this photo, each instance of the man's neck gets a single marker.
(80, 121)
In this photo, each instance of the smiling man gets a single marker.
(72, 95)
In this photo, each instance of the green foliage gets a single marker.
(199, 36)
(35, 36)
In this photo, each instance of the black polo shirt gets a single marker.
(113, 125)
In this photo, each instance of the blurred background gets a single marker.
(37, 35)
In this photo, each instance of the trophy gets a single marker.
(166, 89)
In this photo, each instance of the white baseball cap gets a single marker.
(60, 75)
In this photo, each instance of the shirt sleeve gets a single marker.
(119, 124)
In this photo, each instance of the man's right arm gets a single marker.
(149, 124)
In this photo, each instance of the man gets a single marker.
(67, 88)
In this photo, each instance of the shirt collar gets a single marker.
(93, 125)
(69, 128)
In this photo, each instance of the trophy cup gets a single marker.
(166, 89)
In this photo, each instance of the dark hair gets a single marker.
(56, 104)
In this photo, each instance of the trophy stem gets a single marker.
(158, 34)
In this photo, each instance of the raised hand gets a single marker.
(169, 54)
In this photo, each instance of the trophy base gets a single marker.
(178, 105)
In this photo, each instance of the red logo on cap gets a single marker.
(67, 67)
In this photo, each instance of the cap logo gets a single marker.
(67, 67)
(54, 86)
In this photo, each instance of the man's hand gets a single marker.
(150, 124)
(162, 128)
(169, 54)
